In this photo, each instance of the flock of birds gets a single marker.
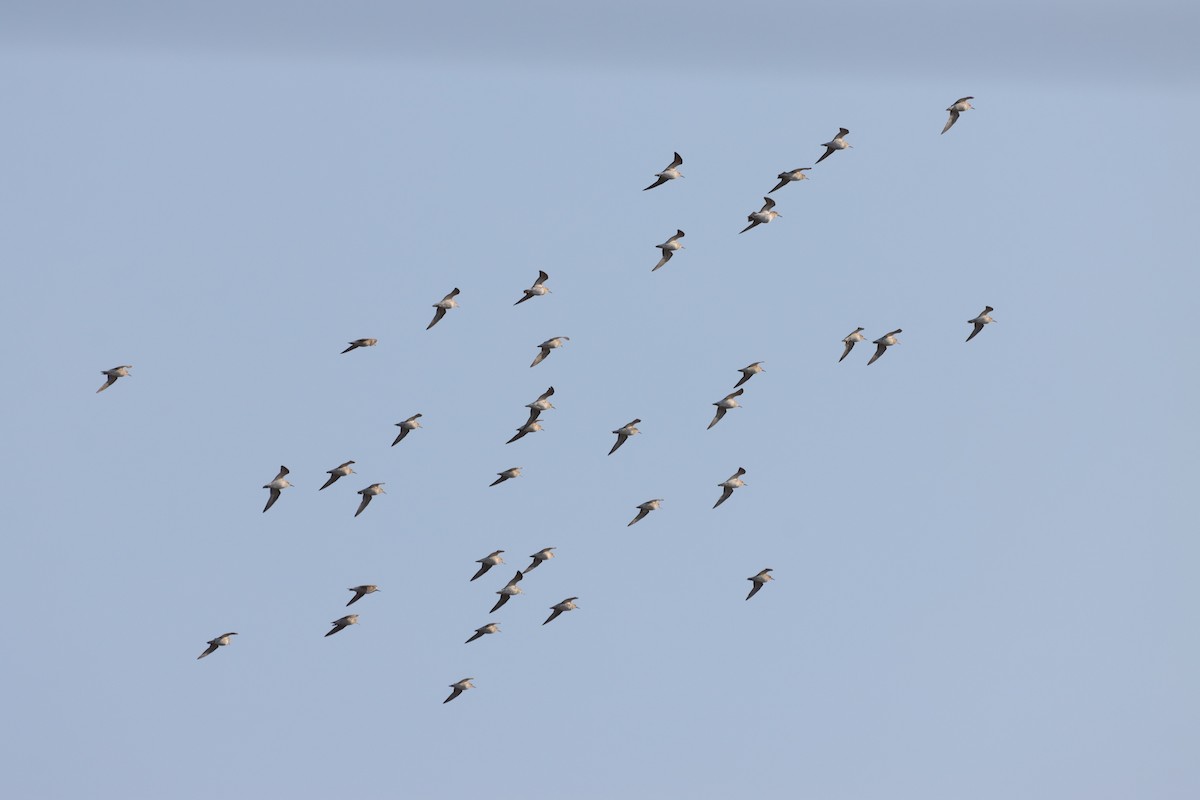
(763, 216)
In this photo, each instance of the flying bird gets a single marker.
(759, 581)
(487, 562)
(763, 216)
(724, 404)
(406, 426)
(558, 608)
(668, 248)
(541, 404)
(213, 644)
(538, 289)
(883, 343)
(789, 177)
(342, 623)
(357, 343)
(508, 474)
(276, 486)
(367, 494)
(749, 372)
(508, 591)
(960, 105)
(362, 591)
(445, 304)
(525, 430)
(669, 174)
(645, 508)
(735, 482)
(340, 471)
(113, 374)
(491, 627)
(980, 321)
(839, 143)
(851, 340)
(547, 346)
(459, 688)
(545, 554)
(623, 433)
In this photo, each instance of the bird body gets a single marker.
(960, 105)
(645, 508)
(762, 216)
(340, 471)
(734, 482)
(113, 374)
(668, 248)
(851, 340)
(367, 494)
(357, 343)
(669, 174)
(276, 486)
(445, 304)
(980, 321)
(547, 346)
(213, 644)
(759, 581)
(406, 426)
(839, 143)
(883, 343)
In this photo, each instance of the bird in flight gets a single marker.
(362, 591)
(545, 554)
(541, 404)
(839, 143)
(276, 486)
(669, 174)
(883, 343)
(357, 343)
(445, 304)
(960, 105)
(538, 289)
(623, 433)
(491, 627)
(487, 562)
(668, 248)
(213, 644)
(790, 177)
(459, 688)
(340, 471)
(645, 508)
(508, 474)
(367, 494)
(735, 482)
(759, 581)
(343, 623)
(113, 374)
(547, 346)
(525, 430)
(980, 321)
(749, 372)
(724, 404)
(851, 340)
(762, 216)
(406, 426)
(508, 591)
(558, 608)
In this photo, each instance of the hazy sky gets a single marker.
(985, 575)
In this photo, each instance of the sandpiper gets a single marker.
(508, 591)
(538, 289)
(362, 591)
(558, 608)
(343, 623)
(669, 174)
(357, 343)
(790, 176)
(749, 372)
(113, 374)
(623, 433)
(367, 494)
(213, 644)
(491, 627)
(724, 404)
(854, 338)
(547, 346)
(735, 482)
(487, 562)
(459, 688)
(839, 143)
(759, 581)
(883, 343)
(762, 216)
(980, 321)
(445, 304)
(406, 426)
(340, 471)
(668, 248)
(960, 105)
(276, 486)
(508, 474)
(545, 554)
(645, 508)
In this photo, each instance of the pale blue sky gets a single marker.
(985, 574)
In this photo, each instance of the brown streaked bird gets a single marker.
(558, 608)
(645, 508)
(960, 105)
(547, 346)
(445, 304)
(508, 474)
(407, 426)
(362, 591)
(491, 627)
(759, 581)
(367, 493)
(980, 321)
(487, 562)
(668, 248)
(838, 143)
(724, 404)
(343, 623)
(459, 688)
(340, 471)
(623, 433)
(545, 554)
(790, 176)
(749, 372)
(854, 338)
(762, 216)
(525, 430)
(883, 343)
(508, 591)
(541, 404)
(735, 482)
(357, 343)
(276, 486)
(669, 174)
(538, 289)
(113, 374)
(213, 644)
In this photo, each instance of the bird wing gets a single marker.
(753, 589)
(501, 479)
(503, 599)
(841, 132)
(437, 317)
(880, 349)
(348, 349)
(717, 418)
(111, 380)
(365, 501)
(753, 222)
(478, 633)
(745, 377)
(457, 691)
(846, 352)
(978, 328)
(337, 626)
(528, 294)
(453, 294)
(678, 162)
(738, 474)
(540, 356)
(212, 648)
(620, 441)
(358, 595)
(553, 615)
(724, 496)
(782, 183)
(953, 119)
(548, 393)
(516, 578)
(542, 277)
(482, 570)
(666, 256)
(657, 183)
(400, 436)
(641, 514)
(520, 432)
(828, 152)
(271, 500)
(768, 204)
